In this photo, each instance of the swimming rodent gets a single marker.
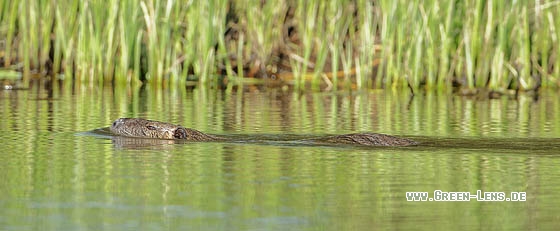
(143, 128)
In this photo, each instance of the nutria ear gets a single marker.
(180, 133)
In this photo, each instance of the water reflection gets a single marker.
(56, 178)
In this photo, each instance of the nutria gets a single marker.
(142, 128)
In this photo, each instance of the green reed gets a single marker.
(8, 18)
(430, 44)
(337, 25)
(261, 23)
(306, 13)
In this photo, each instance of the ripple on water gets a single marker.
(55, 178)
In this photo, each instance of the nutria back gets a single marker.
(142, 128)
(367, 139)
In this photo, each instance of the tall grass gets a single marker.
(431, 44)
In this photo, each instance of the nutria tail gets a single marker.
(142, 128)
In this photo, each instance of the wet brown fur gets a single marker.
(368, 139)
(142, 128)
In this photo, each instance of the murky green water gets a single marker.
(58, 176)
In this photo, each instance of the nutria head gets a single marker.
(142, 128)
(133, 127)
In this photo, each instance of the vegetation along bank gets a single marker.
(401, 44)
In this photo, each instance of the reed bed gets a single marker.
(431, 44)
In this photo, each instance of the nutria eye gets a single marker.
(180, 133)
(150, 127)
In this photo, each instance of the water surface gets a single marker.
(58, 176)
